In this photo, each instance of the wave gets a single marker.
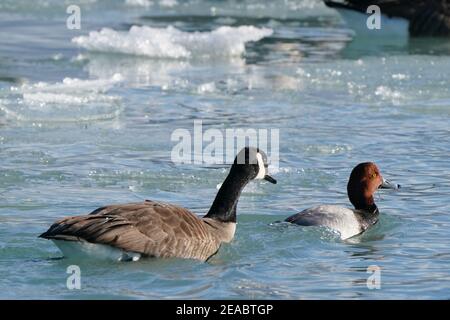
(171, 43)
(71, 100)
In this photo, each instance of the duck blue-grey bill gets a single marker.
(389, 185)
(270, 179)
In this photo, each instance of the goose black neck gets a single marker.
(225, 203)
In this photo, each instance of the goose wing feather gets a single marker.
(150, 228)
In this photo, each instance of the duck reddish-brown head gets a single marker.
(364, 180)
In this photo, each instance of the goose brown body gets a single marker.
(161, 230)
(153, 229)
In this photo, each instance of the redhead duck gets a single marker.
(364, 181)
(156, 229)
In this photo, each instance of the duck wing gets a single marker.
(334, 217)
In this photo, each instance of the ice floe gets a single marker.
(172, 43)
(68, 101)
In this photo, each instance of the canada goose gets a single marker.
(364, 181)
(156, 229)
(424, 17)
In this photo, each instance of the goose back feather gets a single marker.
(153, 229)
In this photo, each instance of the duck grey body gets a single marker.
(348, 222)
(156, 229)
(365, 179)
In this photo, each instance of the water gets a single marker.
(102, 136)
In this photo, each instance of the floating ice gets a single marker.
(139, 71)
(168, 3)
(67, 101)
(173, 43)
(71, 85)
(400, 76)
(139, 3)
(387, 93)
(328, 149)
(206, 88)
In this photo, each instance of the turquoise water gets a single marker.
(103, 136)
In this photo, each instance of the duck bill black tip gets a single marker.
(389, 185)
(270, 179)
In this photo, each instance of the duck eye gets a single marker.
(373, 176)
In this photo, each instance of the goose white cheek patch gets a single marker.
(262, 168)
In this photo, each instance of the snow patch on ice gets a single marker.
(171, 43)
